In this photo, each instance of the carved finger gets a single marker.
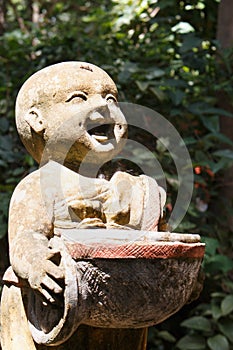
(50, 284)
(47, 296)
(54, 270)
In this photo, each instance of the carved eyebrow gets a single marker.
(108, 89)
(74, 94)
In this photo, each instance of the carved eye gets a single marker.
(111, 99)
(78, 96)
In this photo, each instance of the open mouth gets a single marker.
(101, 133)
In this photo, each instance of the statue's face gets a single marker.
(78, 113)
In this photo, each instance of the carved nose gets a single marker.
(100, 114)
(96, 116)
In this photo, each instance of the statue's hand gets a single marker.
(46, 276)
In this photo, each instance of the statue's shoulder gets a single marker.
(26, 190)
(41, 178)
(28, 182)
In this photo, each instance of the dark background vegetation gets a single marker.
(175, 57)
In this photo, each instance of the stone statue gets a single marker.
(69, 120)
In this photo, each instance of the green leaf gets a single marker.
(218, 137)
(219, 111)
(216, 311)
(226, 327)
(190, 41)
(218, 342)
(191, 342)
(183, 28)
(201, 108)
(222, 164)
(211, 245)
(220, 262)
(142, 85)
(165, 335)
(211, 123)
(158, 93)
(176, 96)
(227, 153)
(128, 69)
(227, 305)
(184, 226)
(155, 73)
(189, 140)
(4, 124)
(5, 142)
(198, 323)
(218, 295)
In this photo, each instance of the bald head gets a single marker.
(49, 84)
(57, 93)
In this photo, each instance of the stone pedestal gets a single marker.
(115, 288)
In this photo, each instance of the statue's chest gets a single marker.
(75, 202)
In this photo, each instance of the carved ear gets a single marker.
(35, 120)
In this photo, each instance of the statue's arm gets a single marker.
(138, 199)
(30, 228)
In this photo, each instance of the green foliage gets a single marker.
(163, 55)
(191, 342)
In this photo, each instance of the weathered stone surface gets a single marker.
(59, 104)
(104, 292)
(15, 333)
(69, 120)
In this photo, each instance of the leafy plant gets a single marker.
(163, 55)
